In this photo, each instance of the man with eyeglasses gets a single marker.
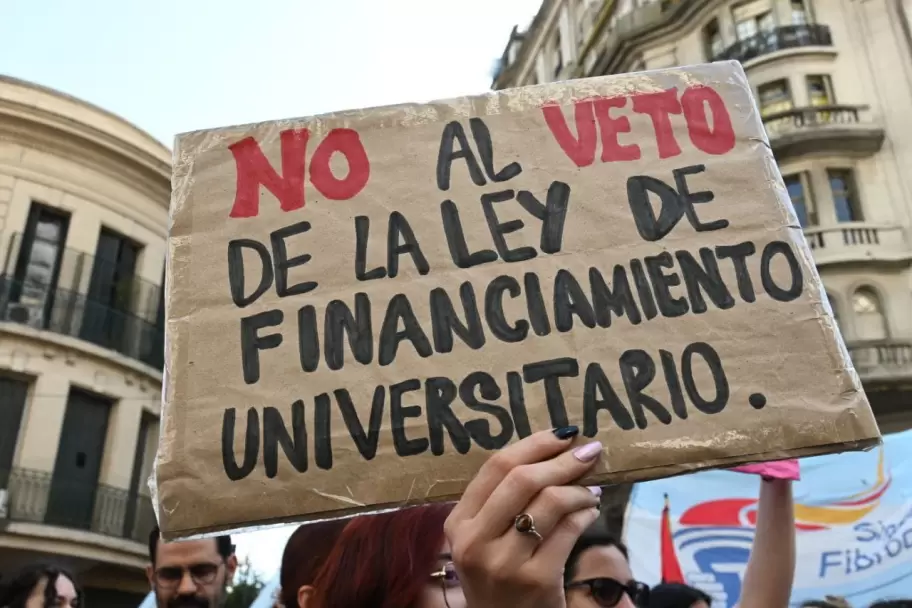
(191, 573)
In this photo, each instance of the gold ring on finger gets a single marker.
(525, 524)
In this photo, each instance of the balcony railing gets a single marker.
(842, 129)
(40, 497)
(857, 242)
(73, 294)
(72, 314)
(778, 39)
(812, 117)
(883, 360)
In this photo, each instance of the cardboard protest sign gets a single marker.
(362, 307)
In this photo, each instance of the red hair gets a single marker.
(306, 551)
(382, 561)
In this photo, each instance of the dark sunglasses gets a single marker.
(608, 592)
(171, 576)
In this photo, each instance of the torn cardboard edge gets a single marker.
(641, 475)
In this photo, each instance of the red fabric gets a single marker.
(671, 568)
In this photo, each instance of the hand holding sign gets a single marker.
(525, 484)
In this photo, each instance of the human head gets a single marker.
(597, 554)
(389, 561)
(306, 551)
(190, 573)
(892, 604)
(677, 595)
(41, 586)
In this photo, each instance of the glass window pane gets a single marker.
(774, 97)
(799, 14)
(870, 321)
(746, 29)
(842, 187)
(796, 192)
(819, 90)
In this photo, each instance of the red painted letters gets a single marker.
(580, 149)
(721, 137)
(658, 106)
(700, 105)
(610, 127)
(254, 170)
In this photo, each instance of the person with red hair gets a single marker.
(504, 544)
(305, 553)
(398, 559)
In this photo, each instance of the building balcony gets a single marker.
(858, 242)
(778, 39)
(882, 360)
(38, 497)
(76, 295)
(840, 129)
(73, 314)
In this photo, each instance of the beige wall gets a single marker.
(104, 172)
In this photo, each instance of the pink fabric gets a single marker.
(783, 469)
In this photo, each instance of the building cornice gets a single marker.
(679, 16)
(127, 131)
(20, 126)
(55, 345)
(533, 39)
(40, 121)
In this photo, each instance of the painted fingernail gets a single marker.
(588, 452)
(596, 490)
(566, 432)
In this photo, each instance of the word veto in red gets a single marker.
(254, 170)
(708, 124)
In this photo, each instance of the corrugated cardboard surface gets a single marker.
(788, 351)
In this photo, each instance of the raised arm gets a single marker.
(771, 567)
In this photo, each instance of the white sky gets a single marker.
(179, 65)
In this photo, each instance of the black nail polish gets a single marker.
(566, 432)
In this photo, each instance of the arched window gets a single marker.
(870, 322)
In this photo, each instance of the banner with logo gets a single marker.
(853, 517)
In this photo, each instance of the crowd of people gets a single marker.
(523, 535)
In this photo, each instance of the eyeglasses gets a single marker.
(446, 575)
(608, 592)
(448, 580)
(201, 574)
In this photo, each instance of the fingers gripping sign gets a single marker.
(518, 520)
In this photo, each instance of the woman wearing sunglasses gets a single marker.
(519, 536)
(598, 574)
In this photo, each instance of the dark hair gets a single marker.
(892, 604)
(595, 536)
(382, 561)
(222, 544)
(676, 595)
(306, 551)
(15, 593)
